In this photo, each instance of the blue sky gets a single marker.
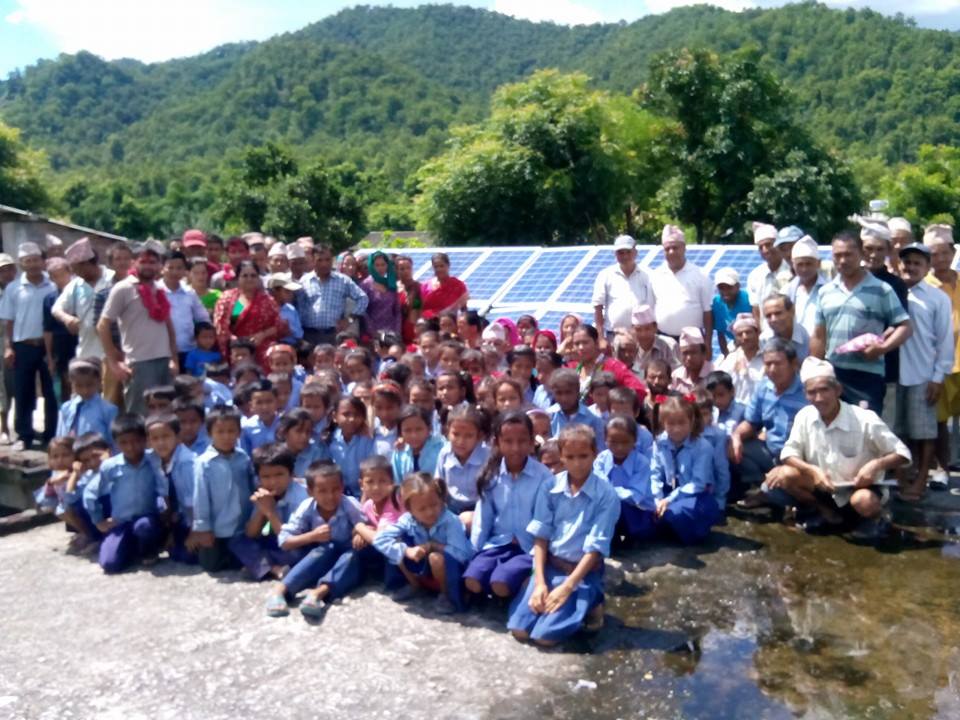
(152, 30)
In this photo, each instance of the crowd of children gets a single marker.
(434, 468)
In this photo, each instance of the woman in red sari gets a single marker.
(247, 311)
(445, 293)
(410, 303)
(590, 361)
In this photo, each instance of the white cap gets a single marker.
(806, 247)
(672, 235)
(494, 331)
(624, 242)
(762, 232)
(938, 235)
(276, 249)
(691, 337)
(294, 251)
(899, 225)
(642, 315)
(744, 320)
(873, 229)
(282, 280)
(28, 249)
(727, 276)
(813, 368)
(52, 241)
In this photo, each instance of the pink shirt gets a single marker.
(391, 513)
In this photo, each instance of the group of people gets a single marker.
(243, 404)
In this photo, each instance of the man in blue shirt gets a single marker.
(21, 309)
(322, 303)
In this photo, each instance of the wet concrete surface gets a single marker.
(762, 622)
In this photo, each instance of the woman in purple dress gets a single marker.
(380, 285)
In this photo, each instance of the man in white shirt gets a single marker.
(8, 272)
(772, 275)
(186, 310)
(804, 289)
(745, 363)
(836, 455)
(925, 359)
(620, 288)
(74, 305)
(685, 291)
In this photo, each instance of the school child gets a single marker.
(508, 487)
(60, 459)
(628, 471)
(624, 401)
(216, 386)
(295, 431)
(282, 287)
(450, 354)
(423, 394)
(322, 527)
(549, 456)
(192, 415)
(315, 398)
(205, 352)
(175, 461)
(381, 506)
(600, 387)
(461, 460)
(274, 501)
(188, 387)
(350, 441)
(541, 424)
(681, 471)
(242, 396)
(321, 358)
(223, 482)
(427, 548)
(484, 393)
(454, 389)
(507, 395)
(727, 412)
(568, 410)
(246, 373)
(125, 499)
(417, 447)
(573, 523)
(261, 427)
(521, 364)
(282, 358)
(357, 368)
(387, 401)
(242, 351)
(719, 440)
(90, 450)
(471, 362)
(429, 343)
(286, 389)
(547, 363)
(86, 411)
(159, 399)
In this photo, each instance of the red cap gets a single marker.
(194, 238)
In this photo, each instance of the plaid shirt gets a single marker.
(322, 304)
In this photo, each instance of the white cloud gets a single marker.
(564, 12)
(150, 30)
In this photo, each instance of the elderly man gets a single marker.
(901, 235)
(778, 311)
(853, 304)
(323, 300)
(772, 275)
(277, 258)
(745, 364)
(837, 454)
(297, 260)
(60, 343)
(22, 310)
(787, 238)
(619, 288)
(694, 366)
(772, 407)
(684, 287)
(74, 305)
(804, 289)
(650, 345)
(257, 245)
(142, 310)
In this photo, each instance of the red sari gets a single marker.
(440, 298)
(261, 314)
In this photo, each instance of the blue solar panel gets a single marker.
(697, 255)
(489, 277)
(581, 287)
(460, 260)
(551, 321)
(741, 259)
(543, 276)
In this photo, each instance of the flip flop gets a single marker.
(277, 607)
(313, 608)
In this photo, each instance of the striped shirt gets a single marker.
(870, 307)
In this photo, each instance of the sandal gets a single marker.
(277, 606)
(312, 607)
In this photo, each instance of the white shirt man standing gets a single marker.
(620, 288)
(804, 289)
(74, 305)
(688, 288)
(772, 275)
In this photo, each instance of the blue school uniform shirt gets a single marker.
(201, 443)
(134, 490)
(724, 315)
(78, 416)
(727, 420)
(309, 455)
(505, 508)
(604, 415)
(319, 429)
(307, 517)
(447, 531)
(294, 400)
(542, 397)
(255, 433)
(348, 456)
(644, 444)
(76, 496)
(292, 499)
(222, 485)
(179, 475)
(461, 478)
(383, 439)
(575, 525)
(686, 469)
(630, 479)
(215, 393)
(559, 420)
(289, 313)
(197, 359)
(403, 462)
(718, 439)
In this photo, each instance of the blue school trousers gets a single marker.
(336, 565)
(506, 564)
(128, 542)
(82, 518)
(568, 618)
(636, 523)
(259, 554)
(394, 578)
(690, 517)
(177, 548)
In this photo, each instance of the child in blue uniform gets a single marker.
(90, 450)
(86, 411)
(628, 470)
(462, 458)
(175, 461)
(126, 499)
(223, 482)
(727, 412)
(573, 523)
(681, 472)
(720, 441)
(417, 448)
(508, 487)
(427, 547)
(387, 401)
(261, 427)
(192, 416)
(624, 401)
(296, 433)
(350, 441)
(568, 410)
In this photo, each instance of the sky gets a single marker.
(152, 30)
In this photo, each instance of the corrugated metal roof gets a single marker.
(36, 217)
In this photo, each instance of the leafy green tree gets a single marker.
(928, 191)
(20, 168)
(554, 162)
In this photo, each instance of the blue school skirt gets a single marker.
(567, 619)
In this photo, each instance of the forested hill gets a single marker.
(380, 87)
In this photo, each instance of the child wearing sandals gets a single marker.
(90, 450)
(573, 524)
